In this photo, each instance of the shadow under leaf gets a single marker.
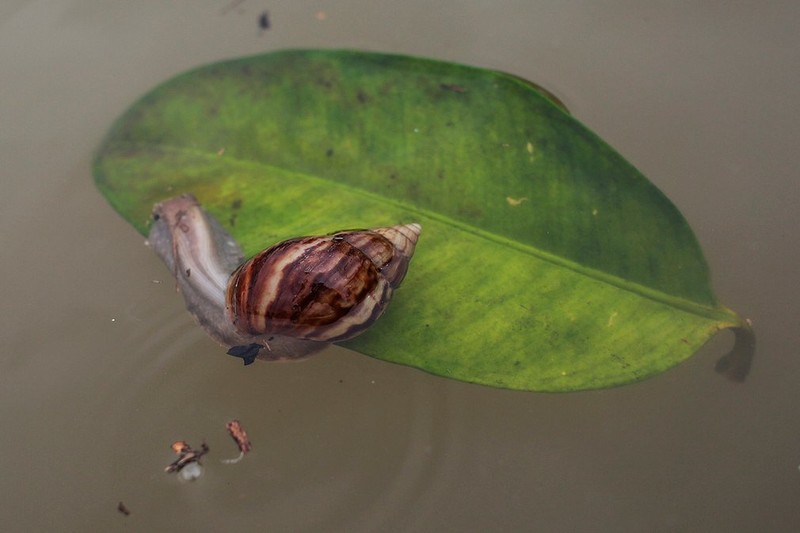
(735, 365)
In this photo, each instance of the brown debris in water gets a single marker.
(187, 455)
(239, 435)
(123, 509)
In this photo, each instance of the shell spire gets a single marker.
(404, 238)
(329, 288)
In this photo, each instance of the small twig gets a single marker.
(187, 454)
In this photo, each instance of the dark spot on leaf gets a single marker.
(470, 211)
(329, 152)
(449, 124)
(362, 97)
(621, 360)
(236, 204)
(453, 87)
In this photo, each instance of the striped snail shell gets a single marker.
(328, 288)
(288, 300)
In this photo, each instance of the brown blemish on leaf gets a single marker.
(453, 87)
(514, 202)
(235, 206)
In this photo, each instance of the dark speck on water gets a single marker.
(263, 20)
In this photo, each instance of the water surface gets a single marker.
(101, 368)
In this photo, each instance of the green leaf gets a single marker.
(547, 262)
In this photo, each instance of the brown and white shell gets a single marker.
(328, 288)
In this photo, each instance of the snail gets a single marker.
(289, 300)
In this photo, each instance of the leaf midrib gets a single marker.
(727, 317)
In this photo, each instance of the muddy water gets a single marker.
(101, 368)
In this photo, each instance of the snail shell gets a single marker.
(327, 288)
(293, 297)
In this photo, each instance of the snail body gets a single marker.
(286, 301)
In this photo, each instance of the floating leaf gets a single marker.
(547, 262)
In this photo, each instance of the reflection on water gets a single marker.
(318, 428)
(735, 365)
(101, 370)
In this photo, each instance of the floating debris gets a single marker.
(239, 435)
(187, 456)
(263, 21)
(122, 508)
